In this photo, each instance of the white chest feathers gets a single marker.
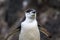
(29, 31)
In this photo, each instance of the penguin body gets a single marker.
(29, 27)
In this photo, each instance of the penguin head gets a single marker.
(30, 13)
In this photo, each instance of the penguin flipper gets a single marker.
(44, 31)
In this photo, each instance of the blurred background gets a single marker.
(13, 10)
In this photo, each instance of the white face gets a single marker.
(31, 14)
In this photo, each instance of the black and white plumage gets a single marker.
(29, 27)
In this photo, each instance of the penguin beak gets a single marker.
(33, 15)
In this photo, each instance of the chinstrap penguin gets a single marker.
(29, 27)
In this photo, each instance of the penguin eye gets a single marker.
(33, 12)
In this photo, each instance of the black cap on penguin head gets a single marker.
(30, 10)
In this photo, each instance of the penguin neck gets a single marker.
(30, 19)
